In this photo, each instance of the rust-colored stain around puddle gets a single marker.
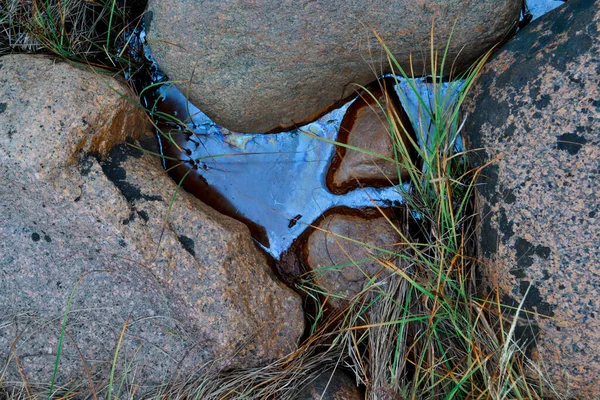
(274, 183)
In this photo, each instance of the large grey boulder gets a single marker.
(535, 113)
(269, 65)
(170, 297)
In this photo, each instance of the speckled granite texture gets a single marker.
(73, 219)
(536, 113)
(256, 66)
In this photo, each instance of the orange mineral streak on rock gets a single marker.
(104, 116)
(125, 121)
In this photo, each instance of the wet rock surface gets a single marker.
(337, 257)
(274, 183)
(275, 65)
(331, 386)
(76, 221)
(536, 112)
(365, 126)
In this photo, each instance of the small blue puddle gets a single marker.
(275, 183)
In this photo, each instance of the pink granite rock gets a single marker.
(78, 217)
(536, 113)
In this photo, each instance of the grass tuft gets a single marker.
(92, 32)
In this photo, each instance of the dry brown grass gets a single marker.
(80, 30)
